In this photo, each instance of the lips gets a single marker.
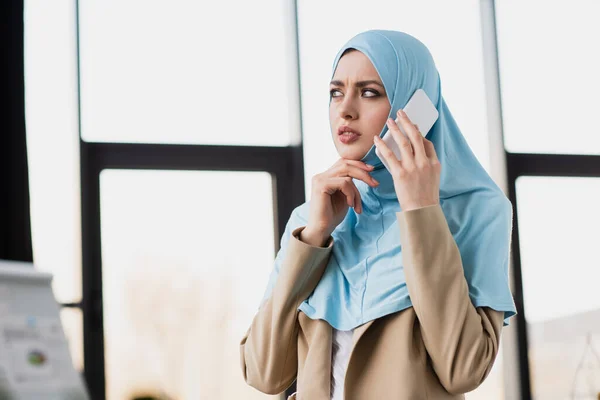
(346, 130)
(347, 135)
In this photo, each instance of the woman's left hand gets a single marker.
(417, 175)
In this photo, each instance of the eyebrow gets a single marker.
(359, 84)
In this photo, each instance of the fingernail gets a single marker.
(402, 113)
(375, 180)
(370, 166)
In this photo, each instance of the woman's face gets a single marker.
(359, 103)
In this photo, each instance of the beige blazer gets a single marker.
(439, 348)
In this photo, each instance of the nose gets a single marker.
(347, 108)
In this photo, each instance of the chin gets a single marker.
(352, 154)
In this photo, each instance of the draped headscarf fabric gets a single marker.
(364, 278)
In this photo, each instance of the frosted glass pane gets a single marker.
(190, 72)
(549, 75)
(558, 233)
(51, 117)
(324, 26)
(185, 257)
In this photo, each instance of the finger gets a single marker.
(413, 133)
(335, 184)
(356, 163)
(357, 199)
(406, 152)
(430, 150)
(360, 174)
(347, 187)
(354, 172)
(359, 164)
(388, 154)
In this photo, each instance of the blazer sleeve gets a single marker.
(461, 340)
(268, 350)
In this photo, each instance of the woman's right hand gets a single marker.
(332, 193)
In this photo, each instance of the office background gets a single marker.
(151, 153)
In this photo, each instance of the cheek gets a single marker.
(384, 112)
(378, 119)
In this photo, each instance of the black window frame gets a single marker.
(284, 164)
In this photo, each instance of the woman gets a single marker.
(388, 284)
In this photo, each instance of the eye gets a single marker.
(374, 93)
(332, 92)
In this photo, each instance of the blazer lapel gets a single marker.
(315, 382)
(359, 331)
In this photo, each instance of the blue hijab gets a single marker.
(364, 278)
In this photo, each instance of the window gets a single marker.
(558, 223)
(168, 72)
(549, 76)
(185, 259)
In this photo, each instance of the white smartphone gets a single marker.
(421, 112)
